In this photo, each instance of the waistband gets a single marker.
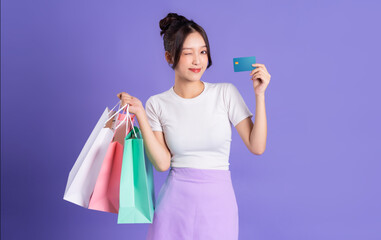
(196, 174)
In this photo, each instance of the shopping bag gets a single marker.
(82, 177)
(137, 195)
(105, 196)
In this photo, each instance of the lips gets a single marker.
(196, 70)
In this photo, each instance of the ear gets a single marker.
(168, 57)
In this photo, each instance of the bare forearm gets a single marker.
(258, 134)
(156, 153)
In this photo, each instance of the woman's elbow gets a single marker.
(165, 165)
(163, 168)
(257, 152)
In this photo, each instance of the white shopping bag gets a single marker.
(84, 173)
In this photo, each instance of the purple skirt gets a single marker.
(195, 204)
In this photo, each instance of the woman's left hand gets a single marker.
(261, 78)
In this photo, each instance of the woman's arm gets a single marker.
(255, 135)
(154, 144)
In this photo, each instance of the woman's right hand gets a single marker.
(136, 105)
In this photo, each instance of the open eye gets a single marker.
(205, 51)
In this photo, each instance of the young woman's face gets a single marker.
(194, 56)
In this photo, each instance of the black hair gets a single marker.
(175, 29)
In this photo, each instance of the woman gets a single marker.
(187, 129)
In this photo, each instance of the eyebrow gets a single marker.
(191, 48)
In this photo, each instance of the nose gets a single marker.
(196, 59)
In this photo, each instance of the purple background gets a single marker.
(63, 62)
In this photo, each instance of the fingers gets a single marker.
(260, 71)
(259, 65)
(124, 95)
(125, 99)
(258, 76)
(257, 70)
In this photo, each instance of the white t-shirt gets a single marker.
(198, 130)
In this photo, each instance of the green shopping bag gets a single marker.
(137, 195)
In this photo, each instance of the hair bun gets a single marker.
(166, 22)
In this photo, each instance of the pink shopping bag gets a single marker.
(105, 196)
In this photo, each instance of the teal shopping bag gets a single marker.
(137, 195)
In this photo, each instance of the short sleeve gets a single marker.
(237, 108)
(152, 115)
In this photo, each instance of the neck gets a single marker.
(188, 89)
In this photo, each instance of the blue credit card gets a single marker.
(243, 64)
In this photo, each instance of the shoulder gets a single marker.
(224, 85)
(224, 90)
(220, 86)
(159, 96)
(155, 101)
(227, 89)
